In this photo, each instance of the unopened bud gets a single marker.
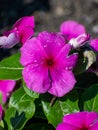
(9, 41)
(80, 40)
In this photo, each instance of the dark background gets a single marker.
(49, 14)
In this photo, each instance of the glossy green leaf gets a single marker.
(13, 119)
(1, 125)
(61, 106)
(30, 92)
(89, 99)
(18, 120)
(22, 103)
(10, 68)
(8, 114)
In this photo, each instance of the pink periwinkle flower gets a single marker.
(72, 29)
(6, 86)
(22, 30)
(79, 121)
(48, 65)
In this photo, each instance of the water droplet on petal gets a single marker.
(47, 40)
(59, 43)
(70, 67)
(66, 68)
(35, 61)
(45, 45)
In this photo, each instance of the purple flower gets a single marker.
(48, 65)
(79, 121)
(6, 86)
(22, 30)
(72, 29)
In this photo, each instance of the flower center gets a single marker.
(49, 62)
(84, 128)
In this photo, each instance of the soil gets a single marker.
(49, 14)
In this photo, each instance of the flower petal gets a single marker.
(27, 21)
(64, 126)
(71, 61)
(25, 27)
(94, 126)
(62, 82)
(36, 78)
(81, 119)
(71, 29)
(3, 39)
(75, 119)
(9, 83)
(94, 44)
(6, 86)
(91, 118)
(27, 33)
(51, 42)
(11, 41)
(32, 52)
(64, 51)
(66, 61)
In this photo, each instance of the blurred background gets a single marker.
(49, 14)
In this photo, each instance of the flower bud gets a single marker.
(80, 40)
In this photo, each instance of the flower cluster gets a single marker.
(46, 57)
(47, 64)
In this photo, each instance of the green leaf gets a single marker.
(61, 106)
(18, 120)
(30, 92)
(0, 98)
(89, 99)
(8, 114)
(13, 119)
(1, 128)
(39, 111)
(22, 103)
(1, 125)
(10, 68)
